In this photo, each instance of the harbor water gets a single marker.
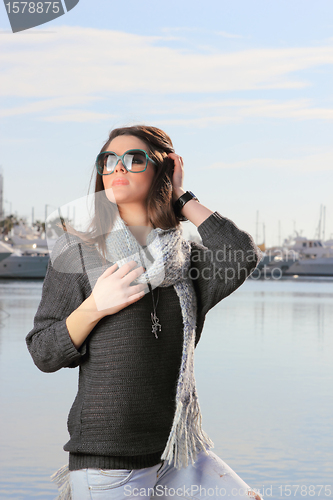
(264, 372)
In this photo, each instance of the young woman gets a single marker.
(126, 302)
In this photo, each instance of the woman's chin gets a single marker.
(109, 193)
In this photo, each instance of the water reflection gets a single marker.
(264, 371)
(264, 375)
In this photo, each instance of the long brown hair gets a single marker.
(159, 201)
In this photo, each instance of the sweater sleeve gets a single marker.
(225, 260)
(49, 342)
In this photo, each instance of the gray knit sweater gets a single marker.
(124, 408)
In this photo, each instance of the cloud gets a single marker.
(196, 29)
(76, 66)
(312, 163)
(224, 34)
(203, 114)
(40, 106)
(79, 116)
(184, 113)
(85, 61)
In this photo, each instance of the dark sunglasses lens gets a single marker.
(135, 161)
(100, 163)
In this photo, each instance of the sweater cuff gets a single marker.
(67, 347)
(210, 225)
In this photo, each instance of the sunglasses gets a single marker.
(134, 160)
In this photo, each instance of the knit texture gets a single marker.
(171, 261)
(213, 271)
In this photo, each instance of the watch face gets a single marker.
(193, 195)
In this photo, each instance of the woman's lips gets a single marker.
(120, 182)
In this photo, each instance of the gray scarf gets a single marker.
(171, 257)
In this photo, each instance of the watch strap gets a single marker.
(182, 200)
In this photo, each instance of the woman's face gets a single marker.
(135, 186)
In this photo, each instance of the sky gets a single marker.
(243, 88)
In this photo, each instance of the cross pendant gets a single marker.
(156, 324)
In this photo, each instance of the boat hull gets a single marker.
(321, 266)
(25, 266)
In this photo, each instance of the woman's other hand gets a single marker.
(178, 176)
(111, 293)
(113, 290)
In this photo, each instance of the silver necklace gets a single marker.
(155, 321)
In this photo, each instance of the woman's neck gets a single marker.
(138, 223)
(134, 215)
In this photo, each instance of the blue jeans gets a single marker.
(208, 479)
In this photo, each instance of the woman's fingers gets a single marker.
(176, 158)
(137, 289)
(109, 271)
(133, 275)
(178, 174)
(127, 274)
(126, 268)
(113, 290)
(119, 271)
(135, 297)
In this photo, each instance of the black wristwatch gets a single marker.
(182, 200)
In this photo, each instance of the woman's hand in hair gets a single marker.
(178, 176)
(113, 290)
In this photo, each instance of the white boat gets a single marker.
(5, 250)
(318, 266)
(25, 237)
(315, 257)
(28, 253)
(275, 261)
(28, 264)
(309, 248)
(299, 256)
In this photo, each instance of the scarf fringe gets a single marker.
(61, 479)
(186, 438)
